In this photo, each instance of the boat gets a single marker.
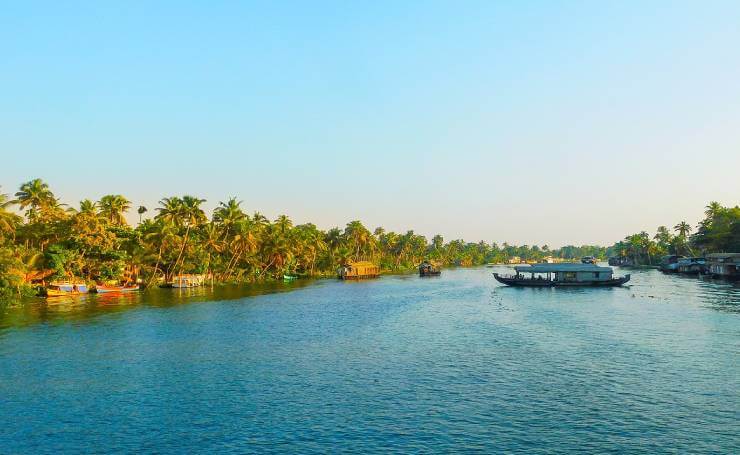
(60, 289)
(103, 289)
(724, 265)
(289, 277)
(669, 264)
(588, 260)
(692, 266)
(562, 275)
(426, 268)
(358, 271)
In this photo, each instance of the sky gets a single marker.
(532, 122)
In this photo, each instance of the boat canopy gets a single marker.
(553, 268)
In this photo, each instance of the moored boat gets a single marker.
(358, 271)
(104, 289)
(588, 260)
(669, 264)
(60, 289)
(692, 266)
(562, 275)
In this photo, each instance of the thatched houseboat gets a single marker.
(358, 271)
(428, 269)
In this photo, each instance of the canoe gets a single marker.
(107, 289)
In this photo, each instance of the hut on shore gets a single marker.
(358, 271)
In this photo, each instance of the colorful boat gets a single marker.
(65, 289)
(428, 269)
(103, 289)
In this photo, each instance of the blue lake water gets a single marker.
(456, 363)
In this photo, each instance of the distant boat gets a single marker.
(562, 275)
(428, 269)
(724, 265)
(588, 260)
(60, 289)
(102, 289)
(289, 277)
(669, 264)
(692, 266)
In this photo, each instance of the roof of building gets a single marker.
(361, 264)
(568, 267)
(723, 255)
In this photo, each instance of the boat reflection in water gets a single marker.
(545, 275)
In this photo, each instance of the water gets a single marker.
(456, 363)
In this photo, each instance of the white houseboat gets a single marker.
(545, 275)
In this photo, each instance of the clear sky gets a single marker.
(527, 122)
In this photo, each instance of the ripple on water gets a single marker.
(457, 363)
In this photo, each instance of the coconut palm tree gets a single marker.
(8, 219)
(113, 207)
(683, 229)
(35, 196)
(141, 210)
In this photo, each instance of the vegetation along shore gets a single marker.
(43, 239)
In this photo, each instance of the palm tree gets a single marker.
(8, 219)
(713, 209)
(141, 210)
(227, 214)
(88, 206)
(35, 196)
(184, 212)
(113, 206)
(683, 228)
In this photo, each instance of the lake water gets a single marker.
(456, 363)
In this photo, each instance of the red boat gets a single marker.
(101, 289)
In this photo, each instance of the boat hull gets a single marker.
(523, 282)
(112, 289)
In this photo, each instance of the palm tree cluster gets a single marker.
(719, 231)
(95, 242)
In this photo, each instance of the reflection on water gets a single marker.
(87, 306)
(453, 364)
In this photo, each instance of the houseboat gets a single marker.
(724, 265)
(669, 264)
(428, 269)
(692, 266)
(60, 289)
(562, 275)
(358, 271)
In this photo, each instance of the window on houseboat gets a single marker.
(570, 275)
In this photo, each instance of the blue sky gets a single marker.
(527, 122)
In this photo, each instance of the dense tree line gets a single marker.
(718, 232)
(94, 242)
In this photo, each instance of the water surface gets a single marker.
(396, 364)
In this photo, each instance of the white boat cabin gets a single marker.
(566, 272)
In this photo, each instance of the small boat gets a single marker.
(103, 289)
(562, 275)
(669, 264)
(185, 281)
(692, 266)
(588, 260)
(289, 277)
(61, 289)
(428, 269)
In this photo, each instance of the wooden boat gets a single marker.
(428, 269)
(103, 289)
(61, 289)
(669, 264)
(562, 275)
(692, 266)
(358, 271)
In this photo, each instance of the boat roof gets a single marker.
(568, 267)
(723, 255)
